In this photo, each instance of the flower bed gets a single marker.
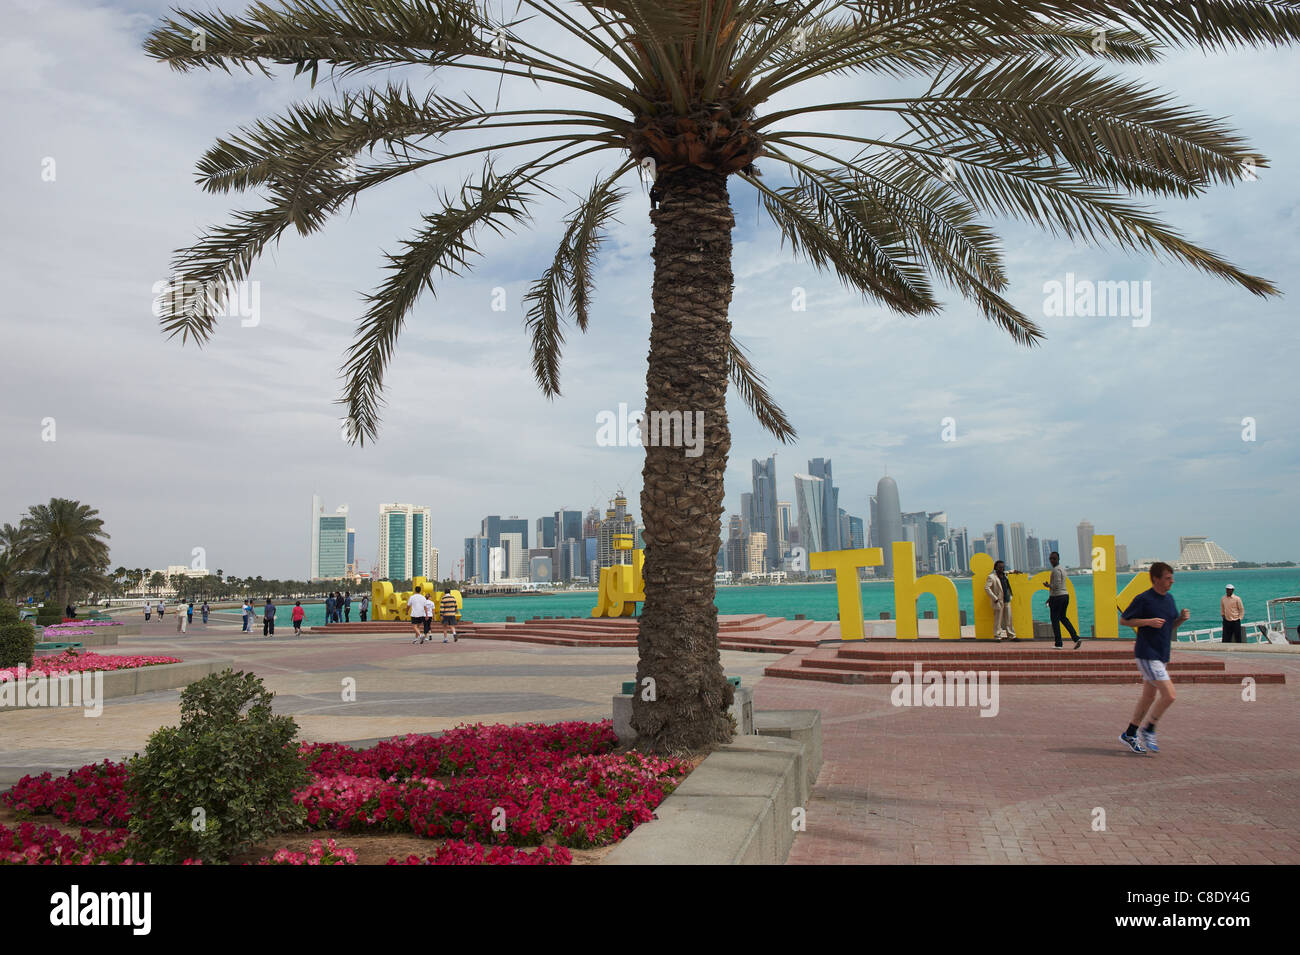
(499, 795)
(71, 661)
(84, 625)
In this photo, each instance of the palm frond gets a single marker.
(352, 35)
(566, 285)
(752, 389)
(443, 245)
(837, 232)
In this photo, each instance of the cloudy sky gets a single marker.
(1136, 428)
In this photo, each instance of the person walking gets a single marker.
(365, 606)
(347, 607)
(329, 608)
(162, 606)
(999, 590)
(248, 617)
(1156, 619)
(268, 618)
(189, 612)
(148, 611)
(1058, 602)
(296, 616)
(415, 604)
(448, 615)
(1233, 611)
(180, 621)
(205, 610)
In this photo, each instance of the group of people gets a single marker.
(422, 616)
(183, 618)
(338, 608)
(998, 589)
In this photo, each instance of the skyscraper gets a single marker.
(1019, 548)
(737, 559)
(764, 518)
(1035, 553)
(545, 532)
(404, 541)
(783, 510)
(617, 522)
(757, 547)
(352, 547)
(746, 512)
(890, 518)
(821, 468)
(916, 528)
(936, 526)
(808, 496)
(516, 556)
(329, 541)
(1085, 531)
(1003, 543)
(960, 541)
(857, 536)
(1051, 545)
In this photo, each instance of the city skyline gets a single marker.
(247, 426)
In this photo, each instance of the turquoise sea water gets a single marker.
(1199, 591)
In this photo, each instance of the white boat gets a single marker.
(1280, 629)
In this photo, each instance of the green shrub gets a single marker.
(17, 644)
(8, 612)
(221, 781)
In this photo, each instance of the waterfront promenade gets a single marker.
(899, 784)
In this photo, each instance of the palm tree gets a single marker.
(11, 567)
(1020, 119)
(65, 541)
(157, 580)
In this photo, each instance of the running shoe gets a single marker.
(1131, 742)
(1148, 741)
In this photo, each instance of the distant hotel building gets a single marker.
(1201, 553)
(404, 548)
(329, 542)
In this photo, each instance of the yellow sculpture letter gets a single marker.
(1106, 606)
(981, 565)
(848, 589)
(907, 588)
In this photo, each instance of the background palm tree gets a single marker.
(1011, 116)
(65, 541)
(11, 567)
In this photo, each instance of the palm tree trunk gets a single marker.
(682, 495)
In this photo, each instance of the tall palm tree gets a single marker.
(1020, 119)
(65, 540)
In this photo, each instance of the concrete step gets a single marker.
(1004, 666)
(1095, 677)
(995, 651)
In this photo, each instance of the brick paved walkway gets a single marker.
(898, 785)
(945, 785)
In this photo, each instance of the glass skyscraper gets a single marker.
(329, 541)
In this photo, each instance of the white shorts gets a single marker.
(1152, 670)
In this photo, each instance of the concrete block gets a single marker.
(736, 808)
(803, 726)
(701, 830)
(742, 710)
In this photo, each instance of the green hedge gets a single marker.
(17, 644)
(48, 614)
(8, 612)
